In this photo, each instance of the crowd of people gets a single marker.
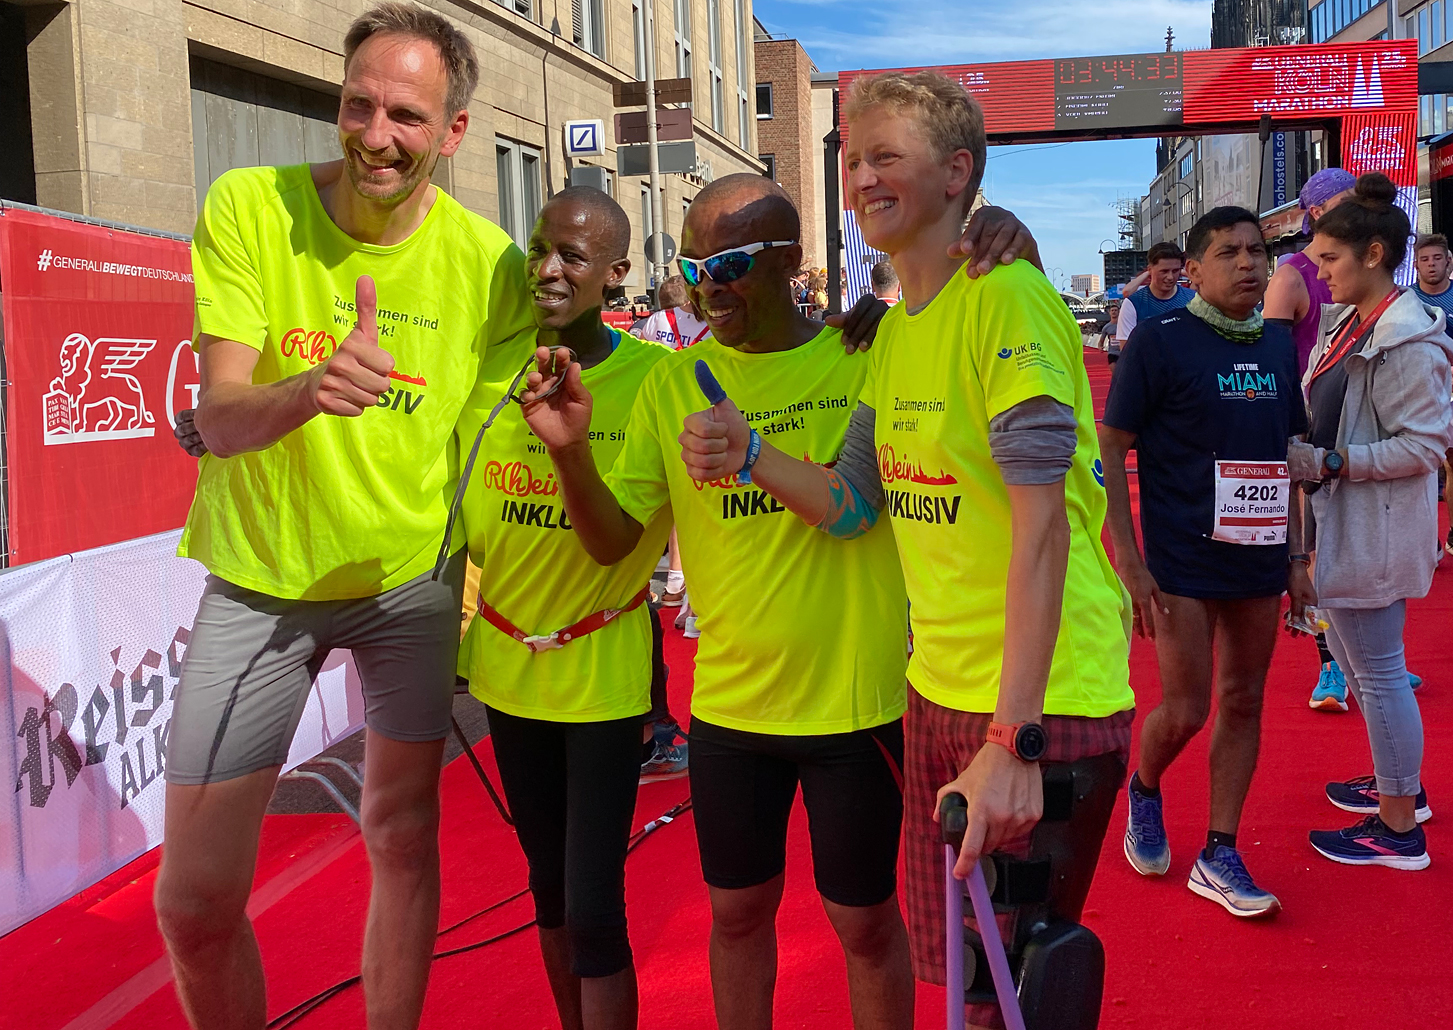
(814, 482)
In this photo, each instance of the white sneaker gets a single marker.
(689, 630)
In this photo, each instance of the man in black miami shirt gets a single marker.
(1208, 395)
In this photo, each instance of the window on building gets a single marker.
(1436, 24)
(744, 118)
(764, 100)
(1410, 28)
(588, 17)
(638, 31)
(1188, 165)
(718, 98)
(241, 119)
(518, 6)
(518, 170)
(770, 160)
(1423, 38)
(683, 39)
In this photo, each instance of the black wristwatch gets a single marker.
(1331, 465)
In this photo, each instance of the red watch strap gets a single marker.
(1004, 736)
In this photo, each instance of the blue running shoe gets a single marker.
(1370, 842)
(1223, 878)
(1360, 795)
(1414, 680)
(1330, 694)
(1145, 843)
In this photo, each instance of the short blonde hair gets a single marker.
(950, 118)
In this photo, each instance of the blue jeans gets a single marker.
(1368, 645)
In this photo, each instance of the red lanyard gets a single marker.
(1351, 331)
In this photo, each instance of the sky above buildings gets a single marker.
(1065, 193)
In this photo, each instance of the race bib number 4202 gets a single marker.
(1251, 502)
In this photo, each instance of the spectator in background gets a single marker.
(885, 282)
(1433, 287)
(676, 324)
(817, 292)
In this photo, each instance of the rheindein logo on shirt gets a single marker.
(316, 346)
(1246, 382)
(914, 505)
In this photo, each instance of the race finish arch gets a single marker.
(1364, 96)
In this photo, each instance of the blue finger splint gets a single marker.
(715, 394)
(709, 386)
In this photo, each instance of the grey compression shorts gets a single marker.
(252, 658)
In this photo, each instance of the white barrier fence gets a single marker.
(90, 649)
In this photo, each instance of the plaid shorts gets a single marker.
(939, 743)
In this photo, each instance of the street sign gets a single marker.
(675, 157)
(672, 123)
(668, 91)
(585, 138)
(593, 176)
(664, 241)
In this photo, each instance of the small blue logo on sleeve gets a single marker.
(1099, 471)
(1005, 352)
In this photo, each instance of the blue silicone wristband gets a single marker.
(754, 451)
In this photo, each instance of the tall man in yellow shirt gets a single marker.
(321, 507)
(975, 432)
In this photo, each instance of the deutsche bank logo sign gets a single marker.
(585, 138)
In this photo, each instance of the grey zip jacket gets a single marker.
(1377, 525)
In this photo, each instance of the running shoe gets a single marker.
(1414, 680)
(670, 598)
(685, 613)
(667, 762)
(1370, 842)
(1330, 694)
(1223, 878)
(1360, 795)
(1145, 843)
(1448, 544)
(689, 631)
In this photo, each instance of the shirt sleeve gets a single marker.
(1026, 341)
(1128, 317)
(638, 477)
(509, 307)
(858, 463)
(228, 284)
(1033, 443)
(1132, 392)
(1297, 421)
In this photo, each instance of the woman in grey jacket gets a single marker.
(1378, 387)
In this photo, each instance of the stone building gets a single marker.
(785, 141)
(128, 109)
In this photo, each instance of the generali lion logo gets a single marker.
(96, 397)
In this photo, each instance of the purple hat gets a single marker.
(1321, 188)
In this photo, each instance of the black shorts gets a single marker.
(742, 788)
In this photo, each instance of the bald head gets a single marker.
(607, 220)
(739, 209)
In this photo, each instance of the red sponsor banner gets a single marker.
(622, 320)
(1440, 162)
(1328, 80)
(1386, 143)
(97, 329)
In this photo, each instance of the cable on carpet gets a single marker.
(291, 1017)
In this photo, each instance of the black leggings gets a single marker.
(571, 788)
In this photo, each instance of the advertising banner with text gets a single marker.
(98, 323)
(90, 649)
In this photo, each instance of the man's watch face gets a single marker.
(1031, 742)
(1332, 462)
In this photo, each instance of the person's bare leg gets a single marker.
(400, 817)
(744, 954)
(1183, 649)
(880, 972)
(610, 1002)
(1399, 813)
(202, 887)
(564, 985)
(1245, 640)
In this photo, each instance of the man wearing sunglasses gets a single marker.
(800, 671)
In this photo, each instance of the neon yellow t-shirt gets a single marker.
(534, 571)
(938, 377)
(342, 507)
(801, 634)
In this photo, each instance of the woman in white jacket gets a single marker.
(1377, 386)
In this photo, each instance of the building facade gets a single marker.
(784, 126)
(128, 109)
(1084, 285)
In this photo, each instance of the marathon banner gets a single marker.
(97, 331)
(91, 646)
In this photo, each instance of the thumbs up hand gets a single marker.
(714, 442)
(356, 376)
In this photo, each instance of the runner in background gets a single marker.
(321, 505)
(676, 324)
(987, 434)
(1208, 397)
(1295, 298)
(561, 652)
(1155, 291)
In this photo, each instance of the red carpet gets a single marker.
(1354, 947)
